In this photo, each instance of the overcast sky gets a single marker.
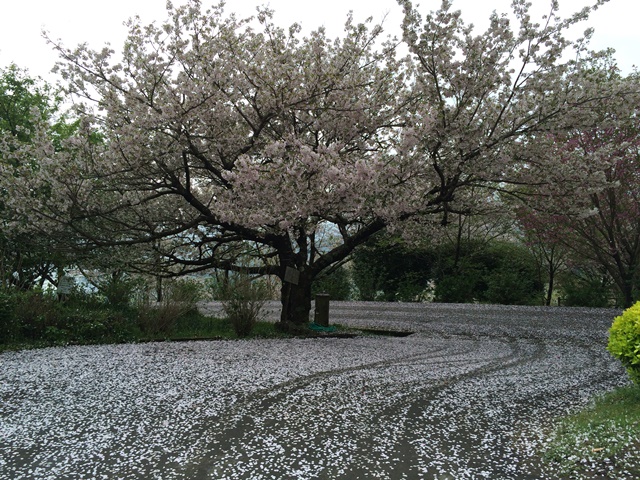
(97, 22)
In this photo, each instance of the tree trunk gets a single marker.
(547, 300)
(627, 293)
(549, 296)
(159, 289)
(296, 303)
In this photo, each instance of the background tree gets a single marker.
(610, 235)
(547, 247)
(600, 225)
(29, 115)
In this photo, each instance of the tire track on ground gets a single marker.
(244, 418)
(423, 424)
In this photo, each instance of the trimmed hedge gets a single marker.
(624, 341)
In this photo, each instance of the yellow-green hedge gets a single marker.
(624, 341)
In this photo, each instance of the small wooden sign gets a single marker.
(291, 275)
(65, 285)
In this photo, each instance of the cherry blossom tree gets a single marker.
(500, 100)
(610, 235)
(236, 144)
(495, 97)
(547, 242)
(600, 225)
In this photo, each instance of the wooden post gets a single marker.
(321, 316)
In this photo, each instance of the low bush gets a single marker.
(8, 324)
(386, 269)
(624, 341)
(242, 300)
(585, 292)
(180, 298)
(460, 283)
(497, 272)
(197, 325)
(36, 317)
(35, 312)
(337, 284)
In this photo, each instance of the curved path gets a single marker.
(468, 395)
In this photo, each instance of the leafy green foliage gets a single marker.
(8, 326)
(119, 289)
(588, 284)
(585, 292)
(41, 317)
(624, 341)
(27, 257)
(179, 300)
(242, 301)
(459, 283)
(38, 319)
(20, 96)
(494, 272)
(385, 269)
(336, 283)
(491, 272)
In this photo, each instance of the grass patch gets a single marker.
(602, 441)
(37, 320)
(196, 326)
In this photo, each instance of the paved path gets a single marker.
(468, 395)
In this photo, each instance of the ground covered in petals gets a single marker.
(470, 394)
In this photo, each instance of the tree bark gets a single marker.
(296, 303)
(549, 296)
(159, 289)
(627, 292)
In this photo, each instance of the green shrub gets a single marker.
(179, 299)
(337, 284)
(514, 283)
(8, 323)
(242, 300)
(585, 292)
(185, 292)
(495, 272)
(119, 289)
(158, 320)
(82, 324)
(386, 269)
(459, 284)
(35, 312)
(197, 325)
(36, 317)
(624, 341)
